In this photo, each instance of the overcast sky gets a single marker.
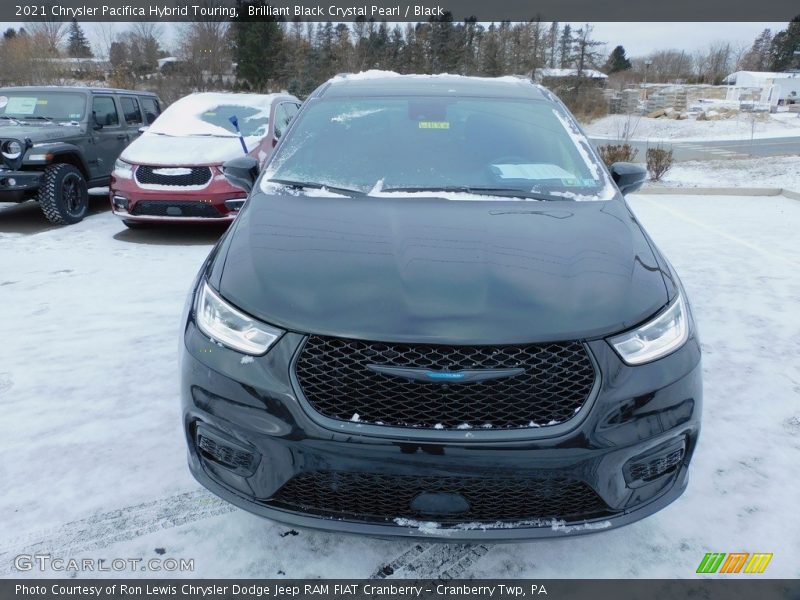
(637, 38)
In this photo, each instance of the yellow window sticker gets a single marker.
(434, 125)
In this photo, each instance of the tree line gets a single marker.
(263, 55)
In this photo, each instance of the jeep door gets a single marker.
(109, 137)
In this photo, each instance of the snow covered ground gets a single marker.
(93, 456)
(770, 172)
(739, 127)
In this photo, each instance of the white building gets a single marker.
(775, 87)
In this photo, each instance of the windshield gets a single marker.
(486, 146)
(209, 115)
(38, 105)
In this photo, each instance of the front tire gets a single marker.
(63, 196)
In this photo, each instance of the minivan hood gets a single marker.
(441, 271)
(186, 151)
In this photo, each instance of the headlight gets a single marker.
(225, 324)
(657, 338)
(123, 169)
(12, 149)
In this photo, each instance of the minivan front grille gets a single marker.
(173, 176)
(549, 383)
(175, 208)
(382, 497)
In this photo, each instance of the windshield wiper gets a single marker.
(488, 191)
(299, 185)
(40, 117)
(17, 121)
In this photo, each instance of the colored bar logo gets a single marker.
(735, 562)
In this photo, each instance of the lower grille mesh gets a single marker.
(174, 208)
(377, 497)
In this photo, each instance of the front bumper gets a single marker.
(636, 412)
(17, 185)
(173, 204)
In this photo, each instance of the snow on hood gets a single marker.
(153, 149)
(183, 117)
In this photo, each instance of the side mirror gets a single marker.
(241, 171)
(144, 128)
(629, 177)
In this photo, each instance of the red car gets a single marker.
(173, 171)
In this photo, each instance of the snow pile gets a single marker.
(666, 129)
(773, 172)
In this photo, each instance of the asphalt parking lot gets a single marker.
(94, 459)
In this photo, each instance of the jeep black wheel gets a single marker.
(63, 196)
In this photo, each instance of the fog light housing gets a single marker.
(225, 451)
(120, 203)
(11, 181)
(654, 463)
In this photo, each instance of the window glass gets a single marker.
(58, 106)
(105, 111)
(281, 120)
(441, 142)
(193, 116)
(151, 109)
(130, 108)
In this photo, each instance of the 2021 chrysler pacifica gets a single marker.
(436, 315)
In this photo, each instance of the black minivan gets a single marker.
(437, 316)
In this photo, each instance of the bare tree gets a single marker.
(713, 64)
(105, 35)
(204, 50)
(50, 35)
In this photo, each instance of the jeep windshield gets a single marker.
(439, 146)
(42, 106)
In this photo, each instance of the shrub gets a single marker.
(611, 153)
(659, 161)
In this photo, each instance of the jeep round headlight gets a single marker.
(12, 149)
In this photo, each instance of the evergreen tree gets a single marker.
(784, 46)
(9, 34)
(552, 42)
(77, 45)
(584, 49)
(258, 49)
(758, 57)
(617, 61)
(565, 47)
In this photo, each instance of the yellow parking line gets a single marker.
(737, 240)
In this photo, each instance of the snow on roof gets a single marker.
(182, 117)
(165, 60)
(379, 74)
(590, 73)
(759, 76)
(370, 74)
